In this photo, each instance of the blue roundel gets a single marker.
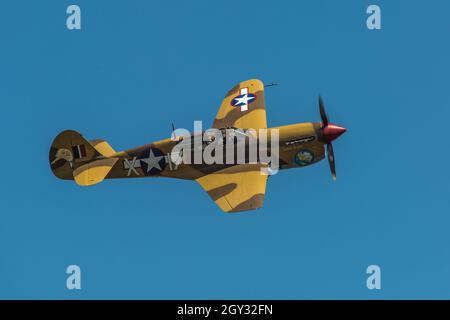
(243, 99)
(153, 161)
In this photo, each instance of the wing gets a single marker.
(243, 107)
(238, 188)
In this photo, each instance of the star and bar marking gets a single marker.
(243, 99)
(153, 163)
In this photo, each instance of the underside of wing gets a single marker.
(243, 107)
(238, 188)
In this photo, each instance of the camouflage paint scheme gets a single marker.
(234, 188)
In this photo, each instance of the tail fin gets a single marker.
(68, 151)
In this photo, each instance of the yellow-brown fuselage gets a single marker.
(299, 145)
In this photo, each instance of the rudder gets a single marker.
(68, 150)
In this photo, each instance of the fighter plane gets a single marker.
(233, 186)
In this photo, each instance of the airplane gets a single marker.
(234, 187)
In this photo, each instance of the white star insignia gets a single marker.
(152, 161)
(245, 99)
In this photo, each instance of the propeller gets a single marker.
(330, 155)
(329, 132)
(323, 113)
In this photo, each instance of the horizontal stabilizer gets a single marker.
(93, 172)
(103, 147)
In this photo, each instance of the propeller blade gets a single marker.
(330, 155)
(323, 114)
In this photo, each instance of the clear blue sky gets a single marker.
(137, 66)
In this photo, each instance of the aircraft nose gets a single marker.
(332, 132)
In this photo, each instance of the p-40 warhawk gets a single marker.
(234, 186)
